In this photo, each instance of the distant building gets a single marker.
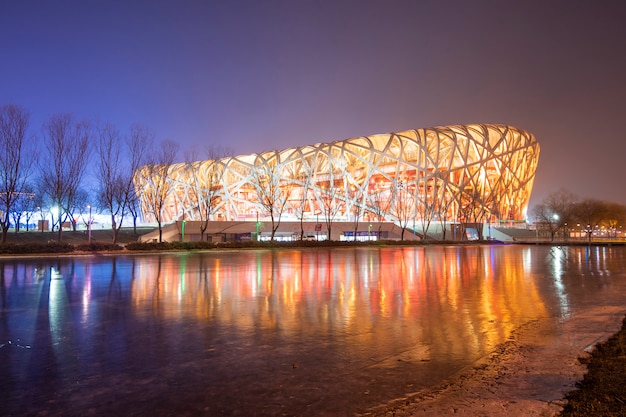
(480, 173)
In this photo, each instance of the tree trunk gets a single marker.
(273, 227)
(113, 227)
(18, 219)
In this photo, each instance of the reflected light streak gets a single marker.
(85, 300)
(56, 308)
(486, 292)
(558, 254)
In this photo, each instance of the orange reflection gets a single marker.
(461, 299)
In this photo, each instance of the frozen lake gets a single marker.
(274, 332)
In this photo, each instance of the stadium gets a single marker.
(421, 181)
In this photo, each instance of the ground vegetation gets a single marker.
(601, 392)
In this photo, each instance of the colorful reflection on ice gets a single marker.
(223, 330)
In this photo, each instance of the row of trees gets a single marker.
(49, 173)
(50, 170)
(562, 211)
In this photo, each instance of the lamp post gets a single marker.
(40, 224)
(554, 227)
(258, 225)
(89, 225)
(317, 226)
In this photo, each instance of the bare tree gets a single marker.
(590, 213)
(430, 202)
(615, 217)
(300, 175)
(77, 207)
(155, 177)
(25, 206)
(381, 198)
(555, 211)
(16, 160)
(67, 156)
(138, 145)
(40, 203)
(331, 202)
(206, 178)
(116, 171)
(354, 194)
(442, 201)
(109, 166)
(473, 207)
(272, 193)
(331, 198)
(22, 208)
(134, 209)
(404, 206)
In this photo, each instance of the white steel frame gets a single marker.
(440, 171)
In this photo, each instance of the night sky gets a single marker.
(261, 74)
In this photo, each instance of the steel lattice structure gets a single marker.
(477, 172)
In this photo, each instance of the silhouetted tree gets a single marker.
(273, 192)
(25, 206)
(155, 177)
(590, 212)
(555, 211)
(206, 182)
(62, 169)
(16, 160)
(615, 217)
(404, 206)
(118, 160)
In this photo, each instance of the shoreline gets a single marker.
(529, 375)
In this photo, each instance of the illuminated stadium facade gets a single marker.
(479, 173)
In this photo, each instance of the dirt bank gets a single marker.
(528, 375)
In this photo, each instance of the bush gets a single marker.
(149, 246)
(251, 244)
(30, 248)
(98, 247)
(192, 245)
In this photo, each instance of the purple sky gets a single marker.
(261, 74)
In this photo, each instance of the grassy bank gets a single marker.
(36, 242)
(126, 235)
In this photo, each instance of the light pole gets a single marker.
(40, 224)
(89, 225)
(555, 225)
(317, 227)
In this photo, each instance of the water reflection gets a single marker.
(315, 330)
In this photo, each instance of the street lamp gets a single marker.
(554, 228)
(89, 225)
(40, 224)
